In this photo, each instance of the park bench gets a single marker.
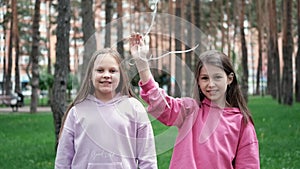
(14, 101)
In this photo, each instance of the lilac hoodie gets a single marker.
(208, 137)
(112, 135)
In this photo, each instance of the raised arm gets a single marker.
(139, 51)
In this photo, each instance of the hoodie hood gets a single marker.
(118, 98)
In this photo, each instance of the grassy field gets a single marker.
(27, 140)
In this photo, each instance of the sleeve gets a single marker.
(65, 149)
(168, 110)
(146, 153)
(247, 156)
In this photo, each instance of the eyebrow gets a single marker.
(109, 67)
(207, 74)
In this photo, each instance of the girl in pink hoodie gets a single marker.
(105, 127)
(215, 128)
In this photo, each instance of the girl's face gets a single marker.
(213, 83)
(105, 77)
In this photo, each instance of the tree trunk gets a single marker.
(228, 28)
(16, 45)
(244, 83)
(4, 25)
(35, 58)
(236, 12)
(58, 100)
(108, 18)
(8, 83)
(197, 32)
(48, 37)
(221, 23)
(259, 30)
(287, 49)
(188, 55)
(120, 42)
(297, 87)
(88, 29)
(178, 61)
(273, 55)
(171, 25)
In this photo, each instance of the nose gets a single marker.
(106, 74)
(211, 83)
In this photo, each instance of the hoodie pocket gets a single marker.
(115, 165)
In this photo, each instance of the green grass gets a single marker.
(278, 132)
(27, 140)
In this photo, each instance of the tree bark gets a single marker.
(197, 32)
(48, 37)
(273, 54)
(178, 61)
(171, 26)
(108, 18)
(8, 83)
(120, 42)
(297, 86)
(35, 58)
(16, 45)
(4, 25)
(228, 28)
(287, 49)
(244, 83)
(58, 100)
(188, 55)
(88, 29)
(259, 30)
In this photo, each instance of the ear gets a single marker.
(230, 78)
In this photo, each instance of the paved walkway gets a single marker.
(24, 109)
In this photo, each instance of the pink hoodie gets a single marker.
(208, 137)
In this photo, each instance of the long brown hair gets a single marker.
(233, 94)
(87, 85)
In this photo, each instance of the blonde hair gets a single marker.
(87, 85)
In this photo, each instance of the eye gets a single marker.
(204, 78)
(218, 77)
(113, 71)
(100, 70)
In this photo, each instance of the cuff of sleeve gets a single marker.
(150, 84)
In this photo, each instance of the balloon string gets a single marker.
(159, 57)
(174, 52)
(153, 18)
(152, 58)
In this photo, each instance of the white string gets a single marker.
(153, 18)
(174, 52)
(152, 58)
(164, 55)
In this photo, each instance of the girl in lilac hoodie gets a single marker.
(215, 128)
(105, 127)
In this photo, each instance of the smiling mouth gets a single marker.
(212, 91)
(105, 82)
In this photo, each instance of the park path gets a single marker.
(24, 109)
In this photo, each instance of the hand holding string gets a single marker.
(138, 47)
(139, 51)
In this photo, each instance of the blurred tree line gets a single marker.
(226, 25)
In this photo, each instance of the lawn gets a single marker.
(27, 140)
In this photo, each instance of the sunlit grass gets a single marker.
(27, 140)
